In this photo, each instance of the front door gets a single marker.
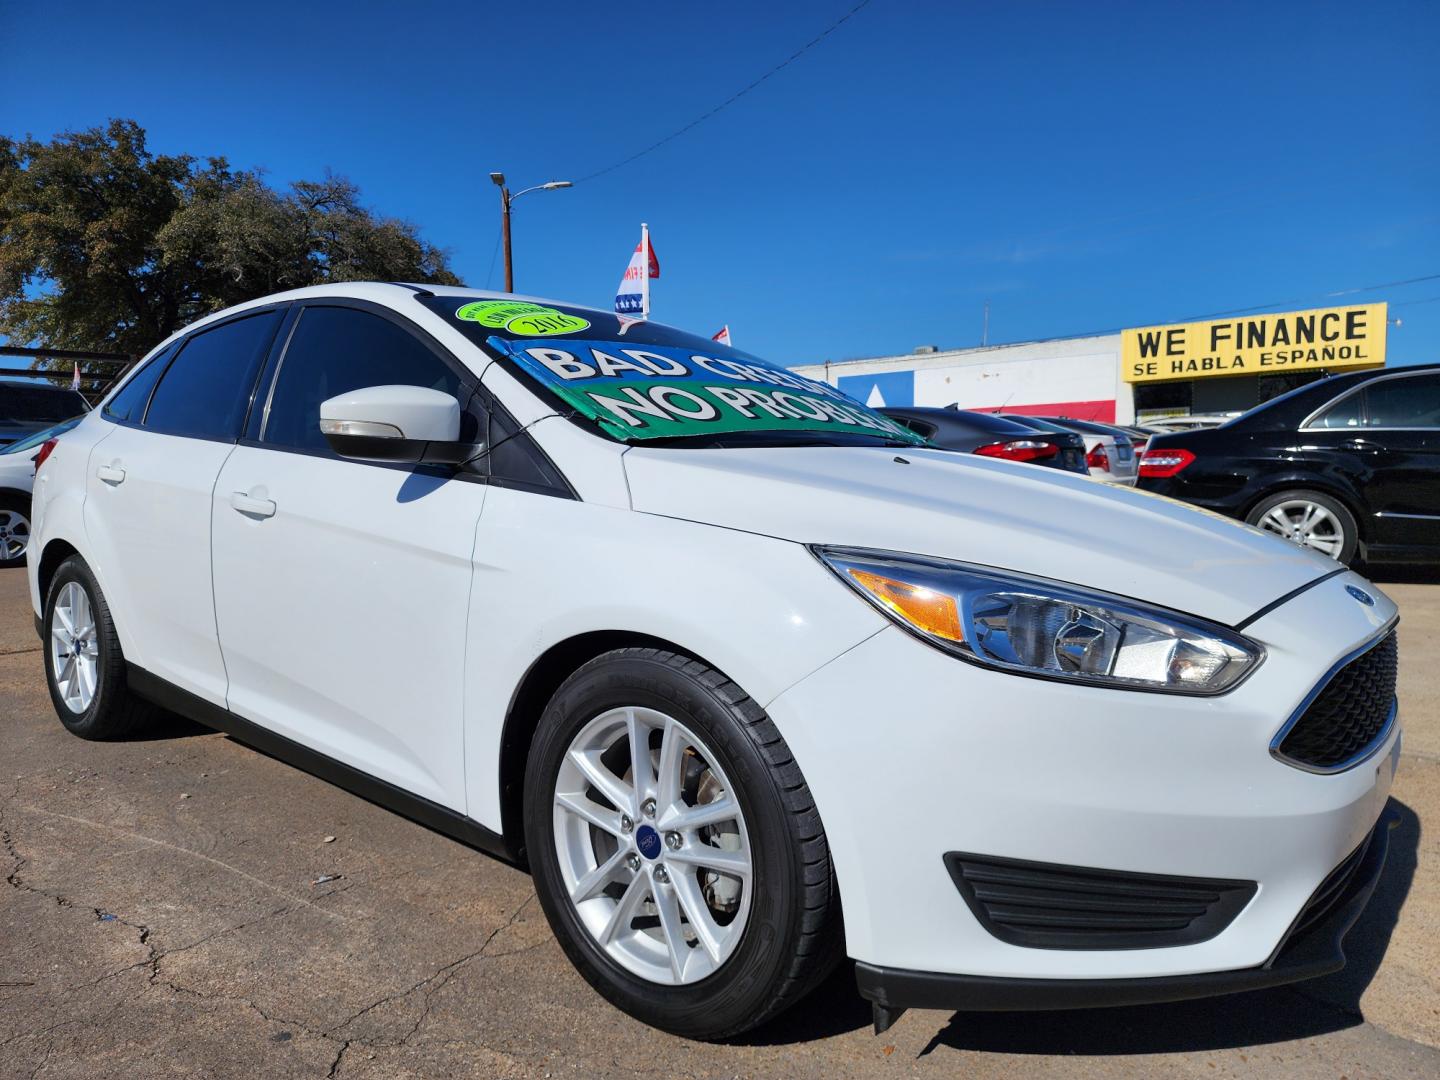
(342, 588)
(1401, 439)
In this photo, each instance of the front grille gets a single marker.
(1348, 717)
(1052, 906)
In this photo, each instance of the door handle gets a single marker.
(111, 474)
(251, 506)
(1361, 444)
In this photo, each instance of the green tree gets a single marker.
(106, 246)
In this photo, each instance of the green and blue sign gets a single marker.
(637, 392)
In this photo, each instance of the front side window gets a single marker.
(204, 391)
(334, 350)
(1412, 402)
(636, 381)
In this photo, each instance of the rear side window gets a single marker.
(204, 391)
(129, 403)
(1343, 414)
(1413, 402)
(334, 350)
(920, 427)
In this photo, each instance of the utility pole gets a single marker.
(498, 179)
(505, 233)
(984, 329)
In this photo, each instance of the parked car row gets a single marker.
(1103, 451)
(1348, 466)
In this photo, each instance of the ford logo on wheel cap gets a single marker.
(648, 841)
(1361, 595)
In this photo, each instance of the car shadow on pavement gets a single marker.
(166, 725)
(1298, 1011)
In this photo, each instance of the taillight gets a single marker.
(1165, 462)
(1019, 450)
(1096, 458)
(44, 452)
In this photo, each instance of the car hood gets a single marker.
(980, 510)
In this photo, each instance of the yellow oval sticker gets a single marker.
(521, 318)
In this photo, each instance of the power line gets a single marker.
(1195, 318)
(1336, 292)
(733, 97)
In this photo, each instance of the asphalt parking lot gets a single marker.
(180, 905)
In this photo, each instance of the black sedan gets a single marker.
(1349, 465)
(994, 436)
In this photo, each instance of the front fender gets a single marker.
(547, 570)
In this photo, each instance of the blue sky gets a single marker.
(1081, 166)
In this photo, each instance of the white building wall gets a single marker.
(1077, 377)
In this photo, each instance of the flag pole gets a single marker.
(644, 270)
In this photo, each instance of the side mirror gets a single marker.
(407, 424)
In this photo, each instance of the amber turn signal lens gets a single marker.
(925, 609)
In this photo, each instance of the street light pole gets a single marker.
(505, 200)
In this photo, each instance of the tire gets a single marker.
(1309, 519)
(790, 937)
(110, 710)
(14, 529)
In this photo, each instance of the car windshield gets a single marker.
(30, 442)
(635, 381)
(32, 404)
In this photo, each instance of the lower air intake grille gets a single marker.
(1349, 717)
(1051, 906)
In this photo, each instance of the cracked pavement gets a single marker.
(171, 908)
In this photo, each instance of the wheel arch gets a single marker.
(1304, 482)
(56, 552)
(534, 691)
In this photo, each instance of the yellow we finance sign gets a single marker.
(1328, 338)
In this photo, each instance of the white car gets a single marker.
(720, 652)
(17, 475)
(1190, 422)
(1109, 454)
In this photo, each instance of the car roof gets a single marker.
(380, 292)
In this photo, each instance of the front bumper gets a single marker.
(1312, 947)
(911, 753)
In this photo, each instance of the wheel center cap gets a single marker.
(648, 841)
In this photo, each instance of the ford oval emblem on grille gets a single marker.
(1361, 595)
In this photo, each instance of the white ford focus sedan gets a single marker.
(721, 653)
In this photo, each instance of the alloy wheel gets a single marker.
(1307, 524)
(652, 846)
(14, 534)
(75, 647)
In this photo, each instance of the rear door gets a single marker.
(342, 588)
(1400, 440)
(148, 491)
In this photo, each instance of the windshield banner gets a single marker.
(659, 392)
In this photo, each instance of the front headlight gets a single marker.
(1032, 626)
